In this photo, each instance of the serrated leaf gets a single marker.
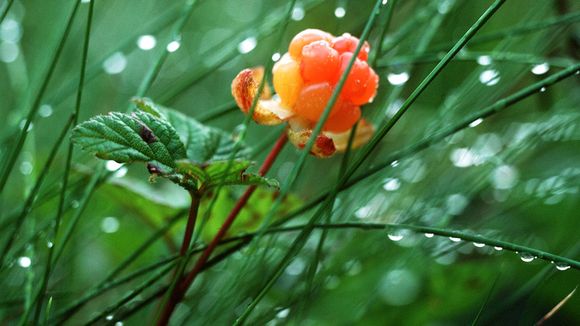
(203, 143)
(125, 138)
(217, 173)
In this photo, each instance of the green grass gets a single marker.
(360, 238)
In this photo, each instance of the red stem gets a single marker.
(180, 290)
(192, 218)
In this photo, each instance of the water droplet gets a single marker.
(10, 31)
(484, 60)
(476, 122)
(247, 45)
(297, 13)
(173, 46)
(146, 42)
(75, 204)
(332, 282)
(283, 313)
(504, 177)
(395, 236)
(23, 125)
(296, 267)
(391, 184)
(109, 317)
(110, 224)
(121, 172)
(340, 12)
(562, 266)
(543, 89)
(489, 77)
(429, 235)
(49, 244)
(464, 157)
(498, 248)
(363, 212)
(276, 56)
(393, 108)
(112, 165)
(526, 257)
(479, 245)
(399, 287)
(395, 163)
(456, 203)
(444, 6)
(45, 111)
(540, 69)
(385, 2)
(26, 167)
(85, 1)
(454, 239)
(119, 323)
(115, 64)
(398, 79)
(24, 262)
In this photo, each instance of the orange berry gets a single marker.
(320, 63)
(370, 91)
(345, 116)
(287, 80)
(306, 37)
(348, 43)
(356, 81)
(312, 101)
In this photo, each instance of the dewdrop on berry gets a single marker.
(304, 80)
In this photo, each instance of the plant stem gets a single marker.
(191, 219)
(180, 290)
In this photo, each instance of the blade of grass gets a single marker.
(13, 156)
(39, 296)
(556, 308)
(5, 10)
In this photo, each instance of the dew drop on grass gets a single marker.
(26, 168)
(146, 42)
(276, 56)
(395, 236)
(456, 203)
(540, 69)
(297, 13)
(24, 262)
(543, 89)
(115, 64)
(332, 282)
(391, 184)
(10, 31)
(498, 248)
(112, 165)
(562, 266)
(173, 46)
(464, 157)
(489, 77)
(247, 45)
(429, 235)
(484, 60)
(110, 224)
(296, 267)
(398, 79)
(49, 244)
(283, 313)
(119, 323)
(399, 287)
(504, 177)
(363, 212)
(109, 317)
(455, 239)
(45, 111)
(9, 52)
(527, 257)
(395, 163)
(340, 12)
(476, 122)
(479, 244)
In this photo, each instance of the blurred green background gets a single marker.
(512, 177)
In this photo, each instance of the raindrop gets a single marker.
(484, 60)
(562, 266)
(489, 77)
(112, 165)
(395, 236)
(391, 184)
(414, 172)
(454, 239)
(393, 108)
(146, 42)
(385, 2)
(8, 52)
(456, 203)
(398, 79)
(115, 64)
(26, 168)
(173, 46)
(464, 157)
(109, 317)
(24, 262)
(110, 224)
(45, 111)
(429, 235)
(526, 257)
(23, 124)
(479, 244)
(10, 31)
(283, 313)
(49, 244)
(297, 13)
(276, 56)
(444, 6)
(498, 248)
(247, 45)
(543, 89)
(395, 163)
(476, 122)
(121, 172)
(119, 323)
(540, 69)
(504, 177)
(340, 12)
(85, 1)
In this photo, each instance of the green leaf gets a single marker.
(139, 136)
(203, 143)
(214, 174)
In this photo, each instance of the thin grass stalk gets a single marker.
(5, 10)
(13, 156)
